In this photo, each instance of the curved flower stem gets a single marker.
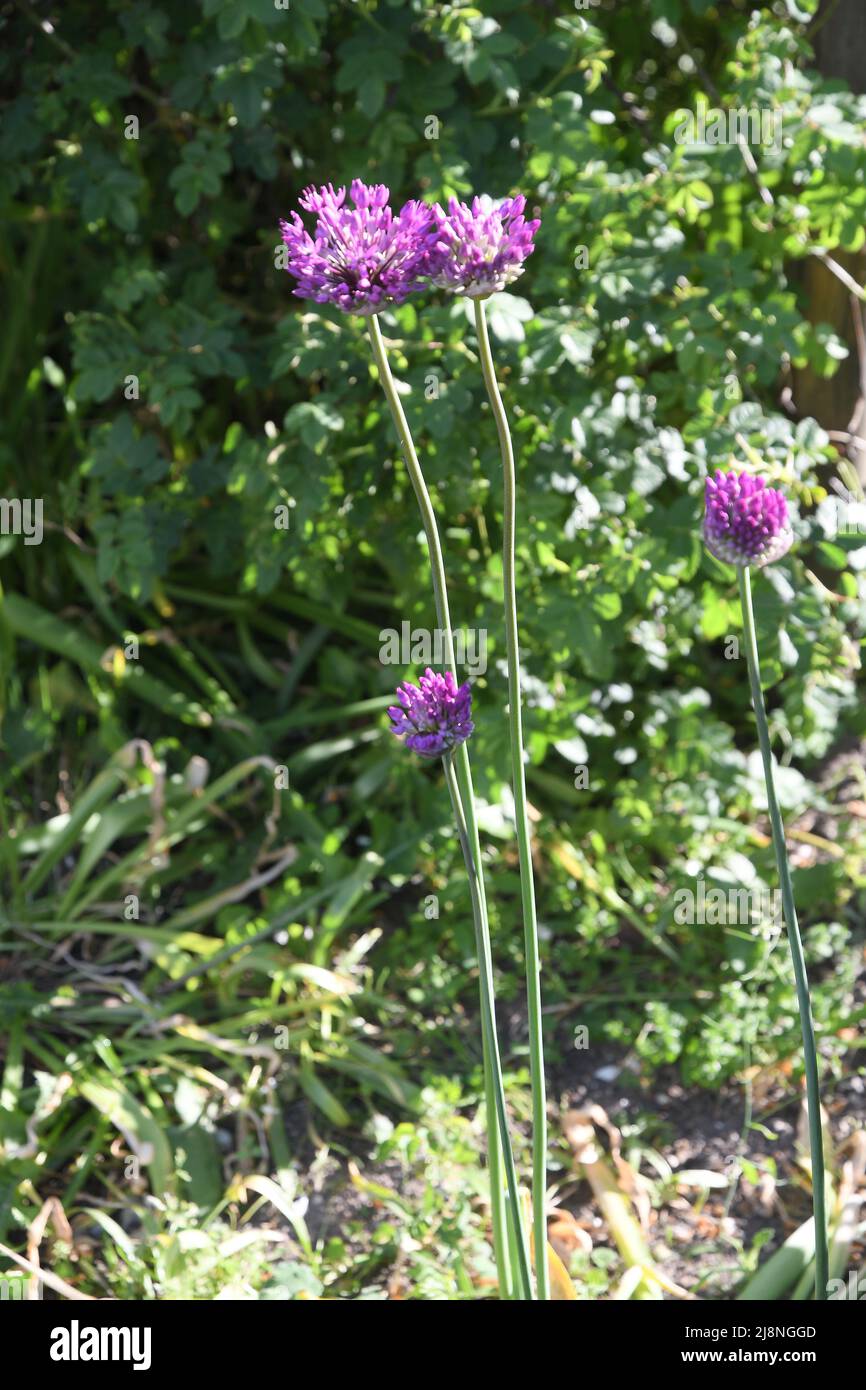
(499, 1141)
(521, 819)
(813, 1098)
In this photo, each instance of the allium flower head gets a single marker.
(482, 247)
(359, 258)
(746, 522)
(435, 715)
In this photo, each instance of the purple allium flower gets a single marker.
(436, 715)
(483, 247)
(360, 258)
(746, 522)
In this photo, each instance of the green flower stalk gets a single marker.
(747, 525)
(482, 247)
(521, 818)
(459, 778)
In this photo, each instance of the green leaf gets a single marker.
(134, 1121)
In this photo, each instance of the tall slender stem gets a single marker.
(521, 818)
(813, 1098)
(488, 1023)
(499, 1141)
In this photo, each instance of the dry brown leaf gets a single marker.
(567, 1236)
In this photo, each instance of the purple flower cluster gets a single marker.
(746, 522)
(360, 258)
(364, 257)
(483, 247)
(436, 715)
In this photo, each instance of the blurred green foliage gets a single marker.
(165, 392)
